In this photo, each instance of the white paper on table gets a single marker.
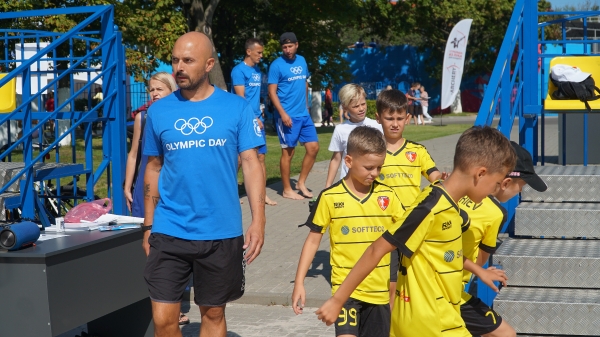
(45, 237)
(119, 219)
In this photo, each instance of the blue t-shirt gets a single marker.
(417, 95)
(290, 77)
(251, 79)
(200, 143)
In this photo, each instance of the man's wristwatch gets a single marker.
(145, 228)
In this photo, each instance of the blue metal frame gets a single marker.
(102, 47)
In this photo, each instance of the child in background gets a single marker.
(405, 161)
(353, 100)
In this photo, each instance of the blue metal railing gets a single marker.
(95, 58)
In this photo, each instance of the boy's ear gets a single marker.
(505, 183)
(348, 161)
(478, 173)
(377, 117)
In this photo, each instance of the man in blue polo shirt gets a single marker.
(288, 91)
(193, 138)
(247, 79)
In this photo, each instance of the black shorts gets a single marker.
(418, 110)
(394, 263)
(363, 319)
(411, 109)
(479, 318)
(218, 267)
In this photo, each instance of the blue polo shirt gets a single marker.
(200, 143)
(290, 77)
(251, 79)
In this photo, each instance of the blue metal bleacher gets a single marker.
(70, 65)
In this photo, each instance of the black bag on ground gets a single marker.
(584, 91)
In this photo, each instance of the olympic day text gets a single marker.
(194, 126)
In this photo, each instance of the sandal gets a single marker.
(183, 319)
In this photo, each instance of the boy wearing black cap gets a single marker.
(288, 91)
(479, 241)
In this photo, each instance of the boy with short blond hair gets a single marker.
(429, 238)
(357, 210)
(479, 241)
(405, 161)
(353, 100)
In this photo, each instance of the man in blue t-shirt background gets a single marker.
(288, 91)
(193, 138)
(247, 79)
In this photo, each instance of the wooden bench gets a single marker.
(588, 64)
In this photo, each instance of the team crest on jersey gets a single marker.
(404, 297)
(383, 202)
(411, 156)
(256, 77)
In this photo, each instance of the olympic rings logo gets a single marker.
(194, 124)
(296, 70)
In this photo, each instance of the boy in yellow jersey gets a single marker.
(429, 238)
(479, 241)
(357, 210)
(405, 161)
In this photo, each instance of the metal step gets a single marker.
(550, 262)
(550, 311)
(570, 220)
(566, 183)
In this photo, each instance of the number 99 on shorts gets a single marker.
(347, 316)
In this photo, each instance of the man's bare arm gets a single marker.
(151, 195)
(272, 88)
(240, 90)
(254, 181)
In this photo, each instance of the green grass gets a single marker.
(460, 114)
(411, 132)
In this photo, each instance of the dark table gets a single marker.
(88, 277)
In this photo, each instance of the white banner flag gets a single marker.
(454, 61)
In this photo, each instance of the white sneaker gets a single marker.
(429, 121)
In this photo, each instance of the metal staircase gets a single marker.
(71, 65)
(552, 254)
(554, 265)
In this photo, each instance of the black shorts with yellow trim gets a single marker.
(363, 319)
(479, 318)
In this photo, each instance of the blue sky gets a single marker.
(562, 3)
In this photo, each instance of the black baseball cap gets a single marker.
(287, 37)
(524, 169)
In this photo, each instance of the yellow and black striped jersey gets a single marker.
(402, 170)
(486, 218)
(354, 223)
(429, 237)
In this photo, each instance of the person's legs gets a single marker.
(426, 115)
(284, 166)
(308, 136)
(213, 321)
(166, 319)
(288, 138)
(167, 273)
(482, 320)
(312, 149)
(261, 158)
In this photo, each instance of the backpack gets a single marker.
(584, 91)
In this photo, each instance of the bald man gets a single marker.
(193, 220)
